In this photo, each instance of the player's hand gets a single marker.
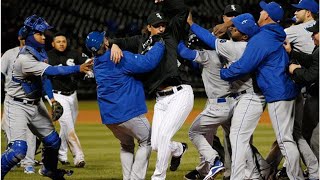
(292, 67)
(116, 54)
(157, 38)
(221, 29)
(190, 19)
(287, 46)
(86, 66)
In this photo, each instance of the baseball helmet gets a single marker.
(95, 40)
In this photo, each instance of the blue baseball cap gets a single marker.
(310, 5)
(95, 40)
(274, 10)
(246, 24)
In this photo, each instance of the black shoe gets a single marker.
(175, 161)
(55, 175)
(65, 162)
(282, 174)
(226, 178)
(193, 175)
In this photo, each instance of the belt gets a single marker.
(24, 101)
(168, 92)
(66, 93)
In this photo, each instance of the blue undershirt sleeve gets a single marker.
(47, 87)
(204, 35)
(185, 52)
(61, 70)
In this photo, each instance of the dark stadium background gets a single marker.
(119, 18)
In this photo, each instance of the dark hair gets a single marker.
(59, 34)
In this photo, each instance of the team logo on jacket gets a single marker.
(70, 62)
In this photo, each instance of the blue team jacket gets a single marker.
(120, 96)
(266, 56)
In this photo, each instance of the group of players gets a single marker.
(244, 68)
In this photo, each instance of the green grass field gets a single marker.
(101, 151)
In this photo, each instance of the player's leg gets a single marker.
(28, 162)
(306, 153)
(65, 122)
(122, 132)
(72, 138)
(176, 108)
(282, 117)
(17, 117)
(44, 129)
(245, 119)
(314, 142)
(140, 130)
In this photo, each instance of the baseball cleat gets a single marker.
(81, 164)
(193, 175)
(29, 170)
(215, 170)
(55, 175)
(175, 161)
(65, 162)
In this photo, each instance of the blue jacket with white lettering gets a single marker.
(266, 56)
(121, 96)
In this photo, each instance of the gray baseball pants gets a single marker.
(133, 167)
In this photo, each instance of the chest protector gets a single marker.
(32, 85)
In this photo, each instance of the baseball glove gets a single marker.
(57, 110)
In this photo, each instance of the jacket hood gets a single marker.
(276, 30)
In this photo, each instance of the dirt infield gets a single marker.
(93, 116)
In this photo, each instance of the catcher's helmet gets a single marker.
(95, 40)
(36, 23)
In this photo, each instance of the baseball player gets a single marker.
(307, 73)
(121, 100)
(6, 71)
(174, 99)
(224, 101)
(301, 40)
(266, 56)
(64, 91)
(230, 11)
(24, 106)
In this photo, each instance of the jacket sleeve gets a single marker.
(138, 63)
(304, 59)
(204, 35)
(176, 12)
(128, 44)
(308, 75)
(249, 61)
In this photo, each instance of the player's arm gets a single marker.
(185, 52)
(66, 70)
(176, 12)
(248, 62)
(203, 34)
(138, 63)
(5, 62)
(310, 74)
(304, 59)
(47, 87)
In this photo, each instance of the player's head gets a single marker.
(96, 42)
(315, 32)
(244, 27)
(306, 10)
(33, 31)
(59, 42)
(231, 11)
(271, 13)
(157, 23)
